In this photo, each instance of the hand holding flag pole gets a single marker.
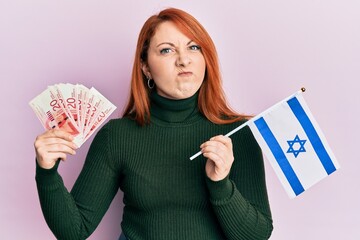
(227, 135)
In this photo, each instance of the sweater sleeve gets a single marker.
(240, 201)
(76, 214)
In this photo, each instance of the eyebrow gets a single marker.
(171, 44)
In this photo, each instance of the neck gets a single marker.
(174, 111)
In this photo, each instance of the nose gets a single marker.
(182, 60)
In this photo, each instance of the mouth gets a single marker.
(185, 74)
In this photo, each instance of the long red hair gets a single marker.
(211, 101)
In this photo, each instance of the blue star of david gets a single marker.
(300, 149)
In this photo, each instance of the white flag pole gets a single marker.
(227, 135)
(238, 128)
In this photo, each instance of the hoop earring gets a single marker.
(150, 83)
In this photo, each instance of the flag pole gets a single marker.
(227, 135)
(234, 131)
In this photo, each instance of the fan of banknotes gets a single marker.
(72, 108)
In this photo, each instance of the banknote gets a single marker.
(104, 109)
(68, 94)
(73, 108)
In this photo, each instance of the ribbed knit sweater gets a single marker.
(166, 196)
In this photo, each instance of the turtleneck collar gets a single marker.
(174, 111)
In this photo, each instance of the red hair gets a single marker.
(211, 101)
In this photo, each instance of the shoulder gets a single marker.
(117, 126)
(121, 123)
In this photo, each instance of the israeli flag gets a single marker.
(294, 144)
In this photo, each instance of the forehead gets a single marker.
(168, 32)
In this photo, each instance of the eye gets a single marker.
(165, 50)
(195, 47)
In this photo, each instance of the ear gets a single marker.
(145, 69)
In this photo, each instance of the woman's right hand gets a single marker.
(53, 145)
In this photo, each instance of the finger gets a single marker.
(215, 147)
(50, 141)
(54, 136)
(61, 148)
(217, 159)
(218, 152)
(223, 139)
(46, 152)
(220, 139)
(212, 143)
(57, 134)
(220, 158)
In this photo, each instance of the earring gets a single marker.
(150, 82)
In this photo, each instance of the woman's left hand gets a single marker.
(219, 154)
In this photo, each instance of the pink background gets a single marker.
(267, 50)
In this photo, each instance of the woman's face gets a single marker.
(175, 63)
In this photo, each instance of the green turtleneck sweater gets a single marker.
(166, 196)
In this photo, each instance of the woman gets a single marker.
(176, 105)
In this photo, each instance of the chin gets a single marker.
(186, 95)
(178, 94)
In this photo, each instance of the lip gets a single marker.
(185, 74)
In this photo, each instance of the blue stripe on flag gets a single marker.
(312, 135)
(279, 155)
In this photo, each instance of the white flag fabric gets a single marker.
(294, 144)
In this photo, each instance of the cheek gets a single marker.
(159, 68)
